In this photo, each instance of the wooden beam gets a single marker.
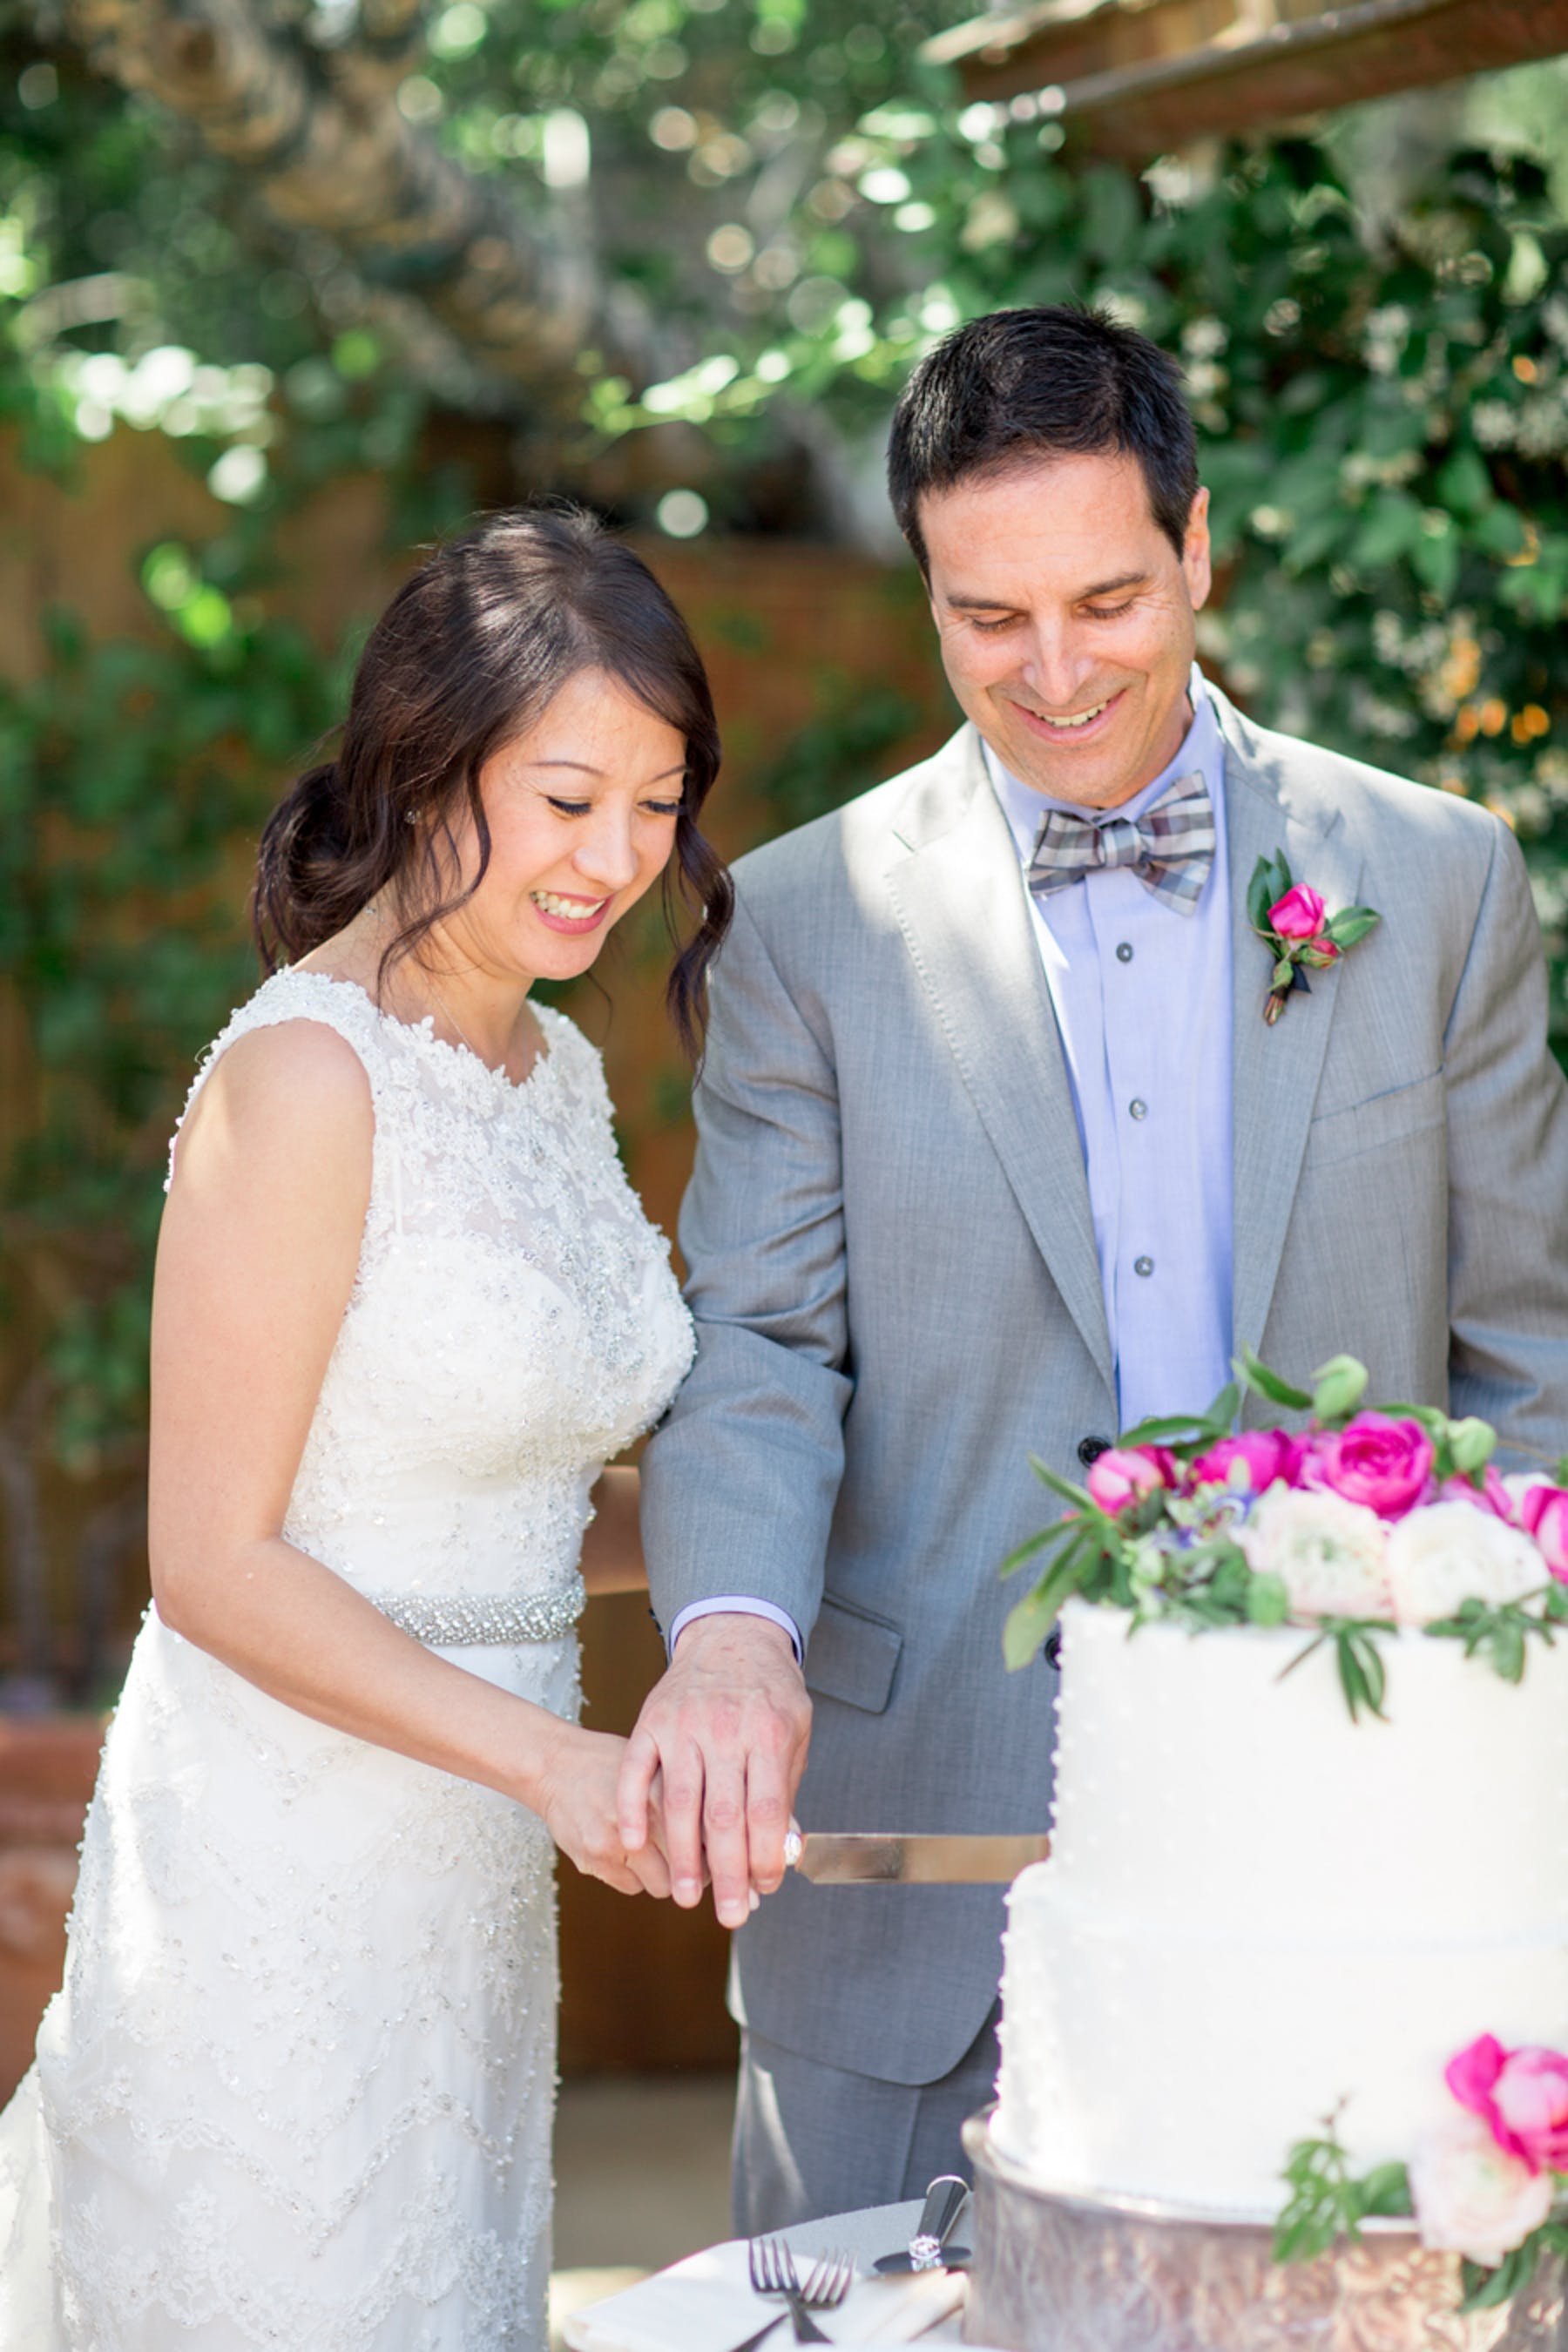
(1139, 80)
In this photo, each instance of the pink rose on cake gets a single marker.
(1470, 2196)
(1542, 1511)
(1252, 1461)
(1330, 1555)
(1385, 1463)
(1521, 2096)
(1452, 1552)
(1125, 1473)
(1492, 1493)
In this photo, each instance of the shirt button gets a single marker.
(1124, 951)
(1137, 1109)
(1142, 1265)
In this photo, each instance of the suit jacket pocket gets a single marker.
(851, 1655)
(1381, 1119)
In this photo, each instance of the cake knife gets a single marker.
(870, 1858)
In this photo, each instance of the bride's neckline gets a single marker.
(423, 1032)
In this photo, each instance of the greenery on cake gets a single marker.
(1359, 1523)
(1489, 2182)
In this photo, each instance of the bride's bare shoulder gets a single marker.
(294, 1092)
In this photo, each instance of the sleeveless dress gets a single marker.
(298, 2088)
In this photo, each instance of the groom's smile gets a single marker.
(1066, 620)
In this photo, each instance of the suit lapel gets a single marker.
(1275, 1072)
(964, 914)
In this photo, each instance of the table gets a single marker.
(704, 2303)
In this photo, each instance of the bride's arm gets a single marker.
(256, 1259)
(612, 1548)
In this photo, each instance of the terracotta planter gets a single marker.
(46, 1773)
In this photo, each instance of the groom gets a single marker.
(997, 1154)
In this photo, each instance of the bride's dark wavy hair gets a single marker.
(465, 658)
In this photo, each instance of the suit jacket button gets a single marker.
(1090, 1449)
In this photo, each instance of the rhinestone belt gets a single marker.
(464, 1624)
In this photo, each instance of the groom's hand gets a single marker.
(728, 1726)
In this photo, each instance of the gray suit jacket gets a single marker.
(894, 1278)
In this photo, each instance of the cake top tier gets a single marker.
(1208, 1779)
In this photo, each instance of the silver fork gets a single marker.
(773, 2271)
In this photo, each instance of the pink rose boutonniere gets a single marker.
(1291, 920)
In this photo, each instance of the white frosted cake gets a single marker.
(1257, 1909)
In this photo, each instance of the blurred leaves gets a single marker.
(791, 207)
(131, 774)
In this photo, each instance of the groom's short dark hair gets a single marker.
(1054, 381)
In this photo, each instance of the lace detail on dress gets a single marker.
(297, 2090)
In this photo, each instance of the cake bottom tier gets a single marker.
(1141, 2062)
(1060, 2273)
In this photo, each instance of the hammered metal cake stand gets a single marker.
(1078, 2273)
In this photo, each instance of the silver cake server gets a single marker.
(928, 2249)
(870, 1858)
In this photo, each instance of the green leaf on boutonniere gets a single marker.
(1266, 889)
(1256, 1375)
(1285, 973)
(1350, 924)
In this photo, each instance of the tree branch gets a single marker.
(406, 216)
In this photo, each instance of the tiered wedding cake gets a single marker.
(1259, 1911)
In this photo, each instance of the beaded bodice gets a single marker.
(513, 1321)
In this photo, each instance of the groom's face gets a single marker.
(1066, 620)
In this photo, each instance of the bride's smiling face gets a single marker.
(582, 810)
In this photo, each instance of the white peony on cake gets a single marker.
(1258, 1910)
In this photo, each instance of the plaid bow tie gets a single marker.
(1170, 847)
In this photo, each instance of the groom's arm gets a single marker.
(738, 1485)
(1508, 1162)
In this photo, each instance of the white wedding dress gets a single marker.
(298, 2088)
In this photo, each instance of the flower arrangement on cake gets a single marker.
(1267, 1911)
(1361, 1523)
(1489, 2183)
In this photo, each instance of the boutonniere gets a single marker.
(1291, 921)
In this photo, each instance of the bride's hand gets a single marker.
(576, 1801)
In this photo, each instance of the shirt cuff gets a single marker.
(735, 1604)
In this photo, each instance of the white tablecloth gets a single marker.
(705, 2304)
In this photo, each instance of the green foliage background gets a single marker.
(1377, 358)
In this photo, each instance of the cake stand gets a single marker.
(1079, 2274)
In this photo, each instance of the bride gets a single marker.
(298, 2088)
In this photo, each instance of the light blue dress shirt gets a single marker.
(1143, 1000)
